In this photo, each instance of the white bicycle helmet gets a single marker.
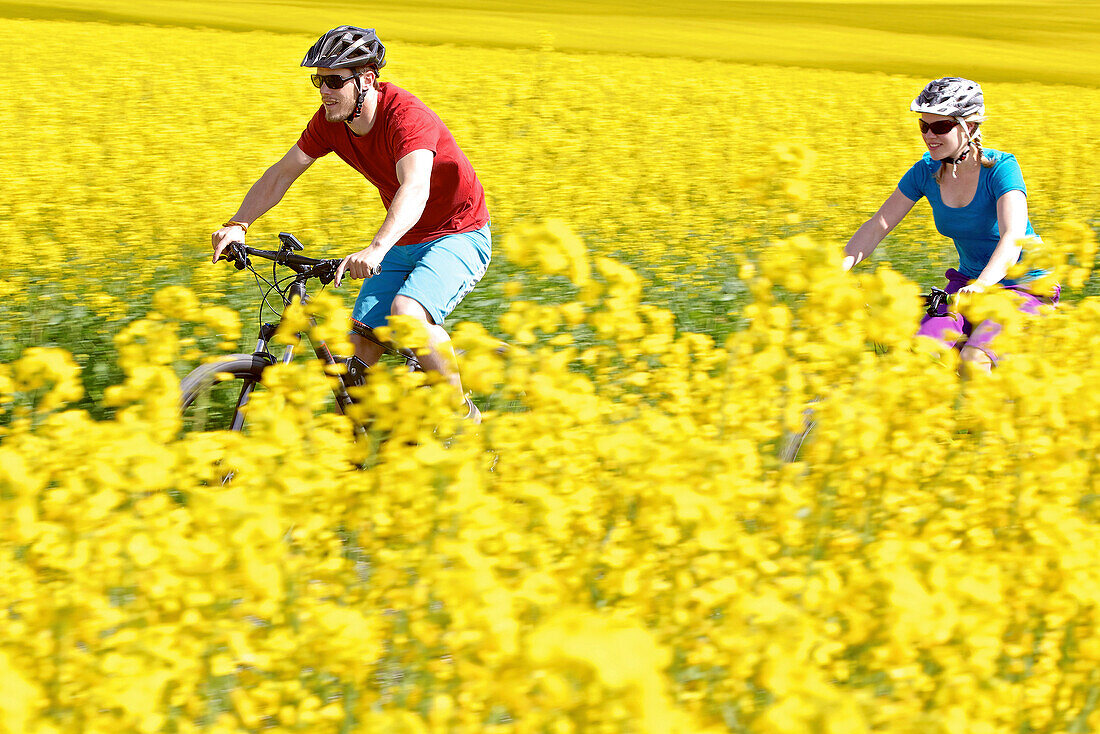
(952, 96)
(961, 99)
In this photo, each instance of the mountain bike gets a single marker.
(215, 394)
(936, 303)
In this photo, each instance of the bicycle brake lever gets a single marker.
(326, 272)
(235, 254)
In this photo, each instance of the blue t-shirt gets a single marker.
(973, 227)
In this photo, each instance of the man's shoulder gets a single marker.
(317, 137)
(396, 99)
(319, 124)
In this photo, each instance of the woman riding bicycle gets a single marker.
(978, 199)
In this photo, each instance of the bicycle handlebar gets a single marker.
(308, 267)
(934, 300)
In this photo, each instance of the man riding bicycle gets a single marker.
(434, 244)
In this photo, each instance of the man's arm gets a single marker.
(268, 191)
(414, 173)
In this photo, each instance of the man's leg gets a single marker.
(373, 305)
(441, 357)
(445, 271)
(366, 349)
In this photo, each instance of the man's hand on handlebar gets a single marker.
(363, 264)
(227, 234)
(235, 253)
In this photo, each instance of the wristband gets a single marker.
(235, 223)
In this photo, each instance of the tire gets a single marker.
(209, 402)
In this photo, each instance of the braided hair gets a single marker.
(974, 141)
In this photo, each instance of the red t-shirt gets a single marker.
(456, 200)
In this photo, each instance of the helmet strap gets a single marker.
(966, 150)
(359, 103)
(961, 157)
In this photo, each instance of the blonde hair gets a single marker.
(975, 142)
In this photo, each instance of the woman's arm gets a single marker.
(1012, 225)
(868, 236)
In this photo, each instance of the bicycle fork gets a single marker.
(266, 332)
(321, 349)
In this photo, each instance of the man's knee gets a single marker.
(405, 306)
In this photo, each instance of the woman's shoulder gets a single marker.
(1004, 166)
(998, 156)
(925, 167)
(1004, 172)
(925, 163)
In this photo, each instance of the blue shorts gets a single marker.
(436, 274)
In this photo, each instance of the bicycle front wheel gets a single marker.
(211, 396)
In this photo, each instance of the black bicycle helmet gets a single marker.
(347, 47)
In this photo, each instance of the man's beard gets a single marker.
(339, 112)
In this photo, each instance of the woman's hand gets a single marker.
(974, 287)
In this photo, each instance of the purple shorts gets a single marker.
(953, 330)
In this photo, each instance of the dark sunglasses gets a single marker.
(332, 81)
(939, 127)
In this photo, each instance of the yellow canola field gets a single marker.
(674, 168)
(620, 549)
(1050, 41)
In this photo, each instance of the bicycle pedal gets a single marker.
(357, 372)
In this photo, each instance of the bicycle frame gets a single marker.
(339, 388)
(304, 269)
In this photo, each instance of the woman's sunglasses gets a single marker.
(332, 81)
(939, 127)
